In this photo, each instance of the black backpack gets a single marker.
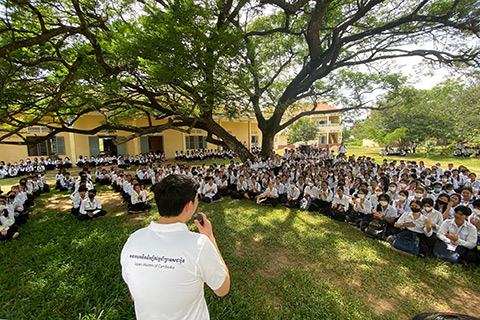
(376, 229)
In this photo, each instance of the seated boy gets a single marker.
(91, 208)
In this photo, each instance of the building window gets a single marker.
(322, 140)
(254, 141)
(54, 146)
(195, 142)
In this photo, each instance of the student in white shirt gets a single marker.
(401, 203)
(254, 190)
(242, 187)
(222, 186)
(386, 212)
(269, 197)
(210, 191)
(91, 208)
(293, 194)
(166, 266)
(8, 229)
(457, 238)
(340, 205)
(138, 200)
(414, 221)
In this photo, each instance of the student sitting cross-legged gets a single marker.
(457, 238)
(269, 197)
(138, 200)
(210, 191)
(77, 198)
(91, 208)
(8, 229)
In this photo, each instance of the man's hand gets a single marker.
(206, 229)
(3, 232)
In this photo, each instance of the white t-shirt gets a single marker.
(165, 267)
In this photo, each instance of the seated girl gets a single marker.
(412, 222)
(138, 200)
(254, 189)
(386, 212)
(269, 197)
(340, 205)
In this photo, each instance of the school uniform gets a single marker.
(94, 207)
(138, 201)
(462, 248)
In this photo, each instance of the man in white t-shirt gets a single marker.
(165, 265)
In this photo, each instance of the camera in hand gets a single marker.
(198, 217)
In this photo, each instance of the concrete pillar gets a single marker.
(73, 148)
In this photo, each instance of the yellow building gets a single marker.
(73, 145)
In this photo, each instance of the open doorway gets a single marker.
(155, 144)
(107, 146)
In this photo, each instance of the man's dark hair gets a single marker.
(173, 193)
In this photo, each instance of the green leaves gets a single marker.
(303, 130)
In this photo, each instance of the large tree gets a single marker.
(187, 61)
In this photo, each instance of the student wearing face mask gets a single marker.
(475, 220)
(374, 197)
(91, 208)
(386, 212)
(362, 208)
(402, 204)
(457, 238)
(414, 225)
(293, 194)
(392, 191)
(436, 191)
(444, 206)
(435, 218)
(418, 194)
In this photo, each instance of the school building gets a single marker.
(72, 145)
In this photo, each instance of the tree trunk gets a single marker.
(267, 143)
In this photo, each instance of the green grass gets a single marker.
(473, 163)
(284, 264)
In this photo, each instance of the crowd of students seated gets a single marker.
(402, 202)
(15, 203)
(203, 154)
(123, 161)
(85, 205)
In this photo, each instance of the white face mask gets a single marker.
(361, 196)
(403, 185)
(401, 198)
(378, 193)
(428, 209)
(418, 195)
(393, 189)
(383, 203)
(2, 207)
(476, 211)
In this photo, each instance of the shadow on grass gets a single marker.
(365, 278)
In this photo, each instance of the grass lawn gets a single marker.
(473, 163)
(284, 264)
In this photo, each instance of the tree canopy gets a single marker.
(449, 112)
(187, 61)
(302, 130)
